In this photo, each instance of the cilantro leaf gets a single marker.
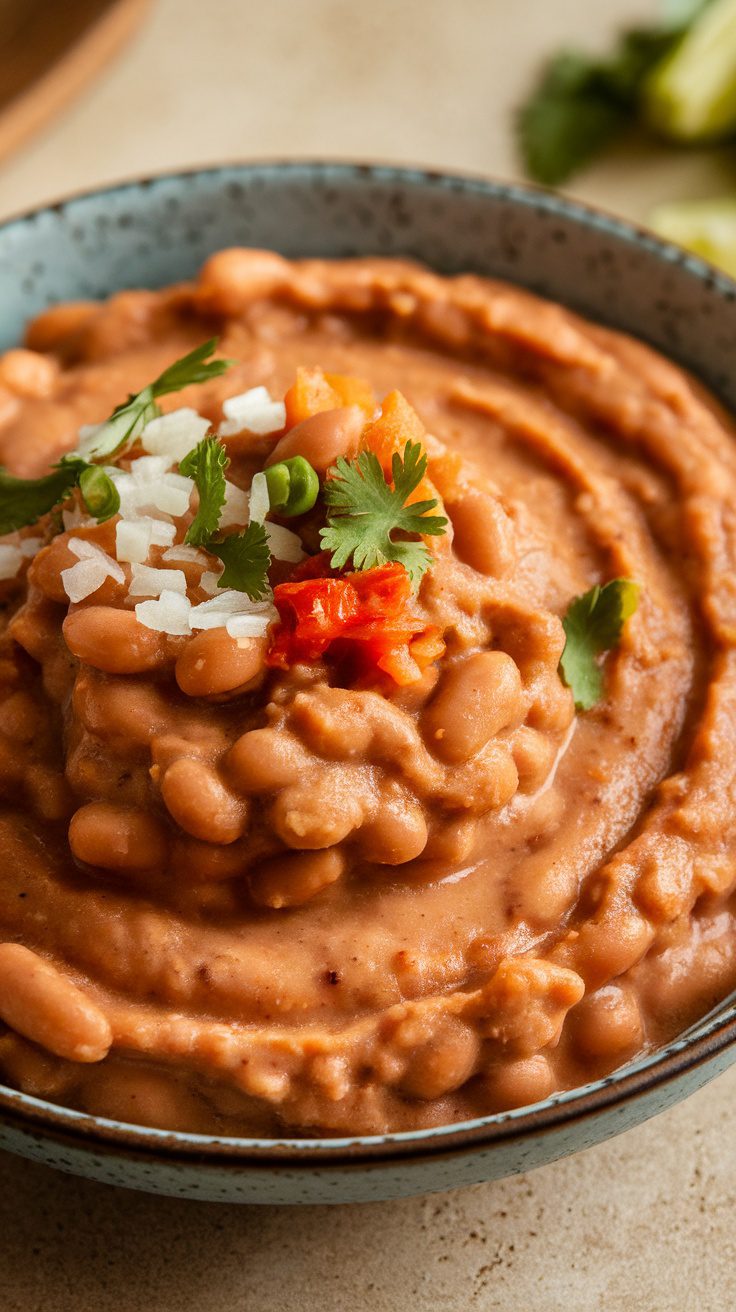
(24, 500)
(206, 464)
(246, 558)
(366, 511)
(580, 104)
(128, 420)
(593, 624)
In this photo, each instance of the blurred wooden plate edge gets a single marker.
(27, 113)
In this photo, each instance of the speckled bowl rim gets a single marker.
(701, 1045)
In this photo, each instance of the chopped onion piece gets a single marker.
(133, 539)
(150, 582)
(254, 410)
(209, 580)
(11, 559)
(75, 518)
(148, 469)
(169, 613)
(84, 578)
(176, 434)
(30, 546)
(235, 509)
(190, 554)
(283, 544)
(259, 500)
(215, 613)
(84, 550)
(162, 533)
(250, 626)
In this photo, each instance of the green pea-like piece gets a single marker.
(99, 493)
(293, 486)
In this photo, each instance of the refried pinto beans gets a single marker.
(300, 842)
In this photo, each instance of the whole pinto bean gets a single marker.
(264, 760)
(199, 802)
(477, 698)
(288, 881)
(116, 837)
(396, 833)
(212, 664)
(318, 812)
(40, 1003)
(322, 438)
(113, 640)
(484, 533)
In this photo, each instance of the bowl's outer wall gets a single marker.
(351, 1182)
(155, 232)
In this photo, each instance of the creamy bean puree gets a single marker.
(343, 857)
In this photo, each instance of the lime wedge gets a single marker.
(691, 94)
(707, 227)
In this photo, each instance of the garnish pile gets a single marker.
(370, 522)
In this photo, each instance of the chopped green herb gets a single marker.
(99, 493)
(206, 464)
(24, 500)
(593, 625)
(293, 486)
(366, 511)
(246, 558)
(129, 419)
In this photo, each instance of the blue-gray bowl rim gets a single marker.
(702, 1045)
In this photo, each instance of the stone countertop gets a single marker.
(643, 1223)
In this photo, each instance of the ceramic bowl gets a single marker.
(160, 230)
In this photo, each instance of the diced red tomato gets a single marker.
(362, 617)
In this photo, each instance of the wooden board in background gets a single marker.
(49, 49)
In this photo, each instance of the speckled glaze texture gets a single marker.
(160, 230)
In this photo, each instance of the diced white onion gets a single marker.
(249, 626)
(30, 546)
(174, 435)
(227, 603)
(168, 494)
(11, 559)
(148, 469)
(254, 410)
(169, 613)
(190, 554)
(283, 544)
(84, 550)
(162, 533)
(75, 518)
(209, 580)
(133, 539)
(235, 509)
(150, 582)
(259, 500)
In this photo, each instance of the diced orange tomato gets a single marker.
(314, 391)
(397, 424)
(362, 616)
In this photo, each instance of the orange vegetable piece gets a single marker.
(353, 391)
(314, 391)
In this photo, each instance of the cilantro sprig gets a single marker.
(206, 464)
(23, 501)
(128, 420)
(365, 511)
(593, 624)
(246, 558)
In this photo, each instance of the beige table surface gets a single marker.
(642, 1224)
